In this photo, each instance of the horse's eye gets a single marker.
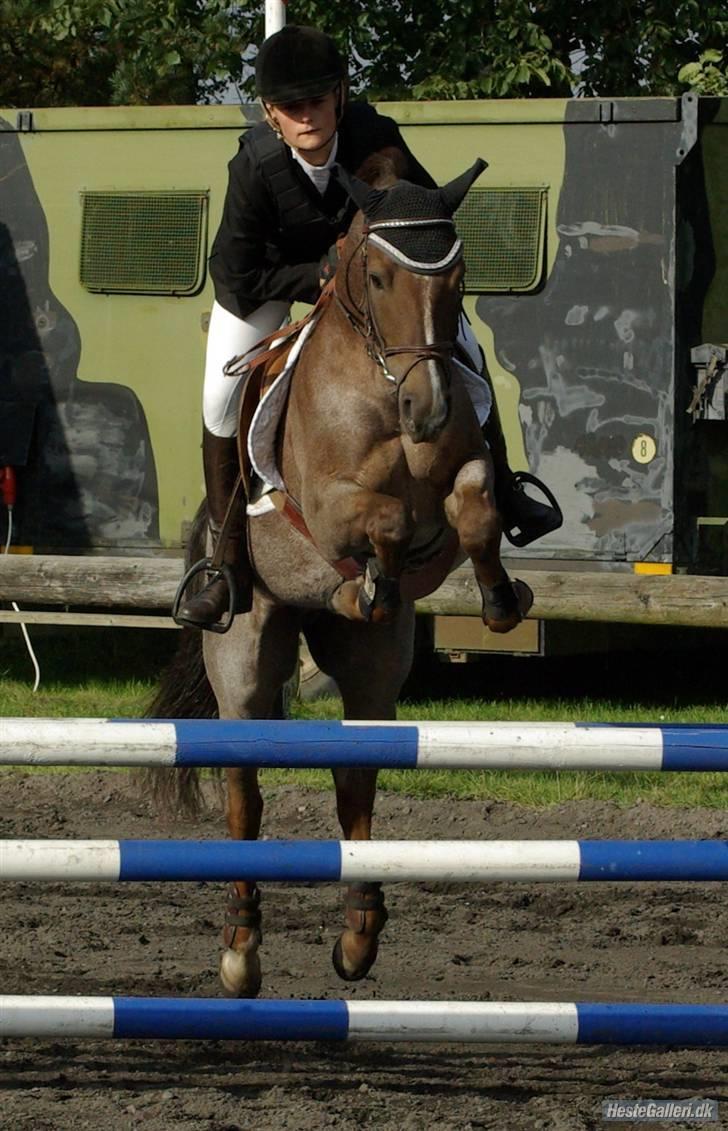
(376, 281)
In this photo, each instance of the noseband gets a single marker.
(363, 320)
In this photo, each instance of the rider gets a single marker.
(283, 211)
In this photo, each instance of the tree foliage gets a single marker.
(83, 52)
(517, 48)
(708, 76)
(101, 52)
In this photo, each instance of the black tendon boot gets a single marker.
(524, 518)
(214, 607)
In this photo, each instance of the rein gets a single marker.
(363, 321)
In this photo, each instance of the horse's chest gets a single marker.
(430, 467)
(389, 469)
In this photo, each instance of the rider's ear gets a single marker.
(363, 195)
(453, 193)
(270, 118)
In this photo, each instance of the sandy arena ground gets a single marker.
(509, 941)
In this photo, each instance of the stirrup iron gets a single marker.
(544, 518)
(215, 571)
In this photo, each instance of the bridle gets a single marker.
(363, 320)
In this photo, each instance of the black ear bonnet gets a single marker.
(413, 224)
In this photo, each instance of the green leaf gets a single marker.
(689, 72)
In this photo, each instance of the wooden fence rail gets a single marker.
(148, 585)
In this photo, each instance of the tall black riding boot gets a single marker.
(208, 608)
(524, 518)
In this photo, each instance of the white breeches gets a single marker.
(229, 336)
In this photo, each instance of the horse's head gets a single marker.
(400, 285)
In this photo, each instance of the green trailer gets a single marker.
(597, 283)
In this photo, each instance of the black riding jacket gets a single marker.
(276, 225)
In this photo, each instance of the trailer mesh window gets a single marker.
(503, 230)
(143, 242)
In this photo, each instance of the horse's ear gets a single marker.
(363, 195)
(453, 193)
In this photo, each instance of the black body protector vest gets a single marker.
(307, 227)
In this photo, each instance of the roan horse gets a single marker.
(381, 450)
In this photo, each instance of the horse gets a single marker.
(385, 472)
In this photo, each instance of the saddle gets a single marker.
(261, 371)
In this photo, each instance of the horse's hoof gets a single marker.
(351, 973)
(506, 604)
(240, 973)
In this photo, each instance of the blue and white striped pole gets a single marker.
(426, 745)
(537, 861)
(695, 1026)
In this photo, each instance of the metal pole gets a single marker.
(275, 16)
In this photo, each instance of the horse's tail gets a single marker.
(184, 692)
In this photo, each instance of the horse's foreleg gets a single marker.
(356, 947)
(371, 520)
(471, 509)
(240, 962)
(246, 668)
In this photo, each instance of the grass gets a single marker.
(534, 788)
(100, 673)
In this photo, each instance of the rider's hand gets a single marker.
(328, 265)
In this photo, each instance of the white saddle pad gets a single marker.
(264, 426)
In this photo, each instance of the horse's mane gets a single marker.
(383, 168)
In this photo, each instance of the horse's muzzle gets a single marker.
(420, 424)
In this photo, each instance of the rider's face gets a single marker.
(308, 126)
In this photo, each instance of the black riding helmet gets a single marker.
(296, 63)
